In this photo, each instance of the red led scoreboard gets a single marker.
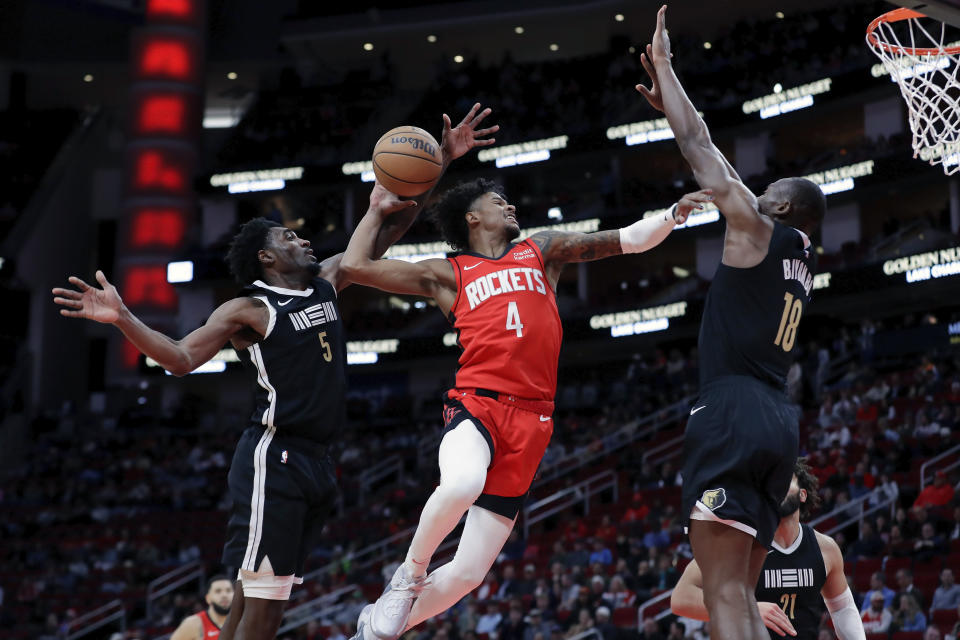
(165, 113)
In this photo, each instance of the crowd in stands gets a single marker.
(99, 521)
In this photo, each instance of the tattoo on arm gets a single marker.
(563, 246)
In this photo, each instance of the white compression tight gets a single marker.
(464, 458)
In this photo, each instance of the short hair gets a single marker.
(806, 480)
(242, 256)
(215, 578)
(806, 198)
(448, 212)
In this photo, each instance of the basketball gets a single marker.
(407, 161)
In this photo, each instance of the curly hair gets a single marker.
(447, 213)
(242, 256)
(806, 480)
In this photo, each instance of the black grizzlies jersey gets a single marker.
(300, 366)
(751, 316)
(792, 578)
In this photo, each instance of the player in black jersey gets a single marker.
(804, 569)
(287, 328)
(742, 436)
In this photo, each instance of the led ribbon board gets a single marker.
(786, 100)
(638, 321)
(929, 265)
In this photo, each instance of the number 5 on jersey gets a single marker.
(513, 319)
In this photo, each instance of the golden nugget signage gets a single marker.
(925, 266)
(629, 323)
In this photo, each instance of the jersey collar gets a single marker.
(793, 547)
(282, 291)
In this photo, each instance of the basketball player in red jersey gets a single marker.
(500, 297)
(205, 625)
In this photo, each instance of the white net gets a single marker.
(916, 54)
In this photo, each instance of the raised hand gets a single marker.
(102, 305)
(386, 202)
(465, 136)
(661, 40)
(653, 93)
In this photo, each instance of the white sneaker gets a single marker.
(391, 611)
(363, 624)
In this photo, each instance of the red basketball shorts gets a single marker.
(516, 430)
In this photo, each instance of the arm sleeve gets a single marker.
(647, 233)
(846, 618)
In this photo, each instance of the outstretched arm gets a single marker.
(712, 171)
(179, 357)
(687, 601)
(560, 247)
(432, 278)
(455, 142)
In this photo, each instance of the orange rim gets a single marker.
(899, 15)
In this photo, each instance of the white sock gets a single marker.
(484, 535)
(464, 458)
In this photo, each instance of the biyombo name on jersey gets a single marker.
(795, 269)
(314, 316)
(787, 578)
(504, 281)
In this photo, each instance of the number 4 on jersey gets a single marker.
(513, 319)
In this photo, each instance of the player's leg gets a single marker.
(260, 620)
(484, 535)
(464, 457)
(725, 555)
(229, 628)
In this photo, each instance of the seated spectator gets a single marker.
(528, 583)
(536, 625)
(923, 428)
(870, 544)
(906, 587)
(651, 630)
(514, 547)
(601, 554)
(932, 633)
(667, 574)
(938, 494)
(514, 627)
(606, 532)
(909, 617)
(888, 490)
(467, 620)
(876, 618)
(583, 624)
(878, 585)
(947, 595)
(606, 628)
(897, 545)
(929, 545)
(489, 620)
(619, 596)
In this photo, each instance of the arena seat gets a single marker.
(944, 618)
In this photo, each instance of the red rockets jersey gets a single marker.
(506, 318)
(210, 630)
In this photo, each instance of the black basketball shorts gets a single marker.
(740, 447)
(283, 489)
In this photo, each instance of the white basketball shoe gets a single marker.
(391, 611)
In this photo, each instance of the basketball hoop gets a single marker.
(912, 49)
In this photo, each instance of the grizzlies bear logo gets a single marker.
(713, 499)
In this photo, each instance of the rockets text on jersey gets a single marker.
(506, 316)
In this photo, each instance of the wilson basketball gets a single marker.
(407, 161)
